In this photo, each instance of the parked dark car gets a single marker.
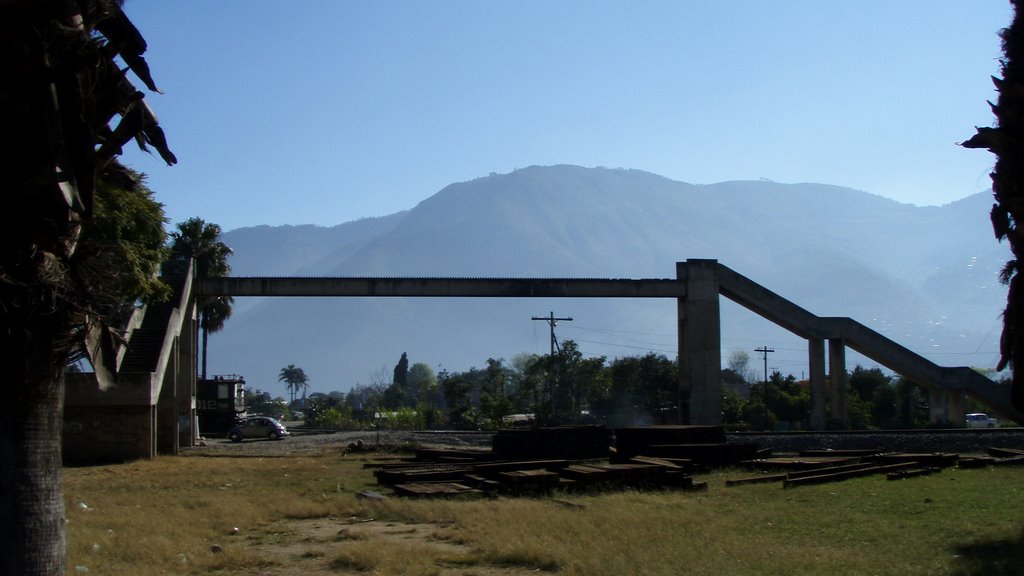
(258, 427)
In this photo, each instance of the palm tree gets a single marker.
(1006, 140)
(212, 317)
(62, 88)
(199, 242)
(296, 380)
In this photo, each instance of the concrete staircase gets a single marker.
(149, 344)
(148, 408)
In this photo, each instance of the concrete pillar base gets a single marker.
(700, 343)
(816, 358)
(939, 401)
(837, 381)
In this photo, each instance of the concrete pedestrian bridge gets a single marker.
(167, 343)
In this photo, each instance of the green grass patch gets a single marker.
(163, 516)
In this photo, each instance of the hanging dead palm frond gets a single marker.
(63, 88)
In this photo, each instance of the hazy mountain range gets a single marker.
(924, 276)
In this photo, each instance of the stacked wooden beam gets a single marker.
(435, 474)
(912, 473)
(937, 459)
(528, 481)
(976, 461)
(634, 475)
(830, 476)
(454, 455)
(390, 475)
(800, 472)
(433, 489)
(636, 440)
(703, 446)
(1006, 456)
(799, 462)
(570, 442)
(843, 453)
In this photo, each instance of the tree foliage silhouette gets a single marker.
(1006, 141)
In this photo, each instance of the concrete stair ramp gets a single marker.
(866, 341)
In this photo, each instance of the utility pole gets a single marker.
(552, 322)
(764, 350)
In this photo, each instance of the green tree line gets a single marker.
(566, 388)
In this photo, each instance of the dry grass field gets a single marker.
(299, 514)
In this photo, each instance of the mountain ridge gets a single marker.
(923, 276)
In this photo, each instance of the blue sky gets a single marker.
(327, 111)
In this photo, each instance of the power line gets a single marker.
(614, 345)
(618, 332)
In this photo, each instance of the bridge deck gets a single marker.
(729, 283)
(444, 287)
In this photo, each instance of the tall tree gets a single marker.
(458, 395)
(495, 403)
(422, 383)
(398, 393)
(198, 241)
(1006, 141)
(295, 378)
(579, 382)
(527, 382)
(61, 89)
(642, 390)
(739, 362)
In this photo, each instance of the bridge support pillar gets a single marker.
(956, 408)
(167, 430)
(837, 380)
(937, 406)
(816, 361)
(946, 406)
(700, 343)
(185, 378)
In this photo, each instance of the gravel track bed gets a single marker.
(958, 441)
(307, 441)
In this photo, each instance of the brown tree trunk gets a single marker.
(32, 529)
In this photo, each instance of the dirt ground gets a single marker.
(312, 547)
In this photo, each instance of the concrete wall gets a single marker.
(110, 425)
(96, 434)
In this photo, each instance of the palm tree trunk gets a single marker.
(32, 529)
